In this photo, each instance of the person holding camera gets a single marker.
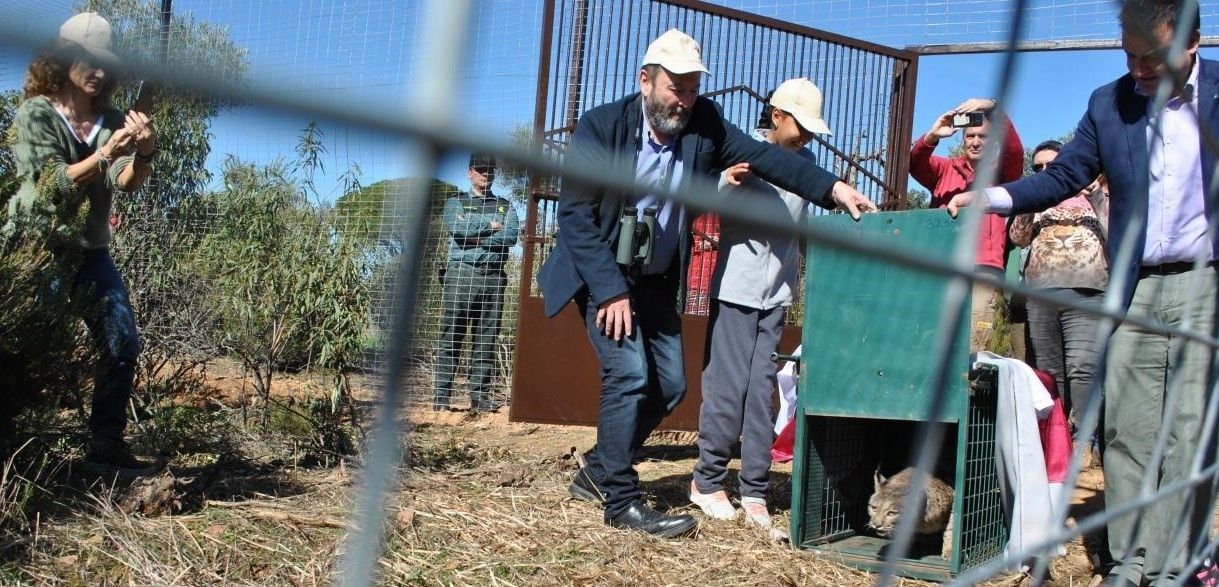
(664, 135)
(73, 152)
(753, 284)
(482, 227)
(949, 176)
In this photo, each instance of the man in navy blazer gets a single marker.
(663, 135)
(1145, 132)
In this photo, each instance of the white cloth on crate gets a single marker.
(1030, 502)
(788, 378)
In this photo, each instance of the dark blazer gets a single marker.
(1112, 138)
(608, 137)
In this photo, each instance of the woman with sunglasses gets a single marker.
(73, 151)
(1067, 256)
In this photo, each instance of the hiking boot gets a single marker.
(113, 457)
(755, 511)
(715, 505)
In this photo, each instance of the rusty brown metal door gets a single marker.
(590, 55)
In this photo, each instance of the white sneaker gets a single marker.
(755, 511)
(715, 505)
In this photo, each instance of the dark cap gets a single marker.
(481, 160)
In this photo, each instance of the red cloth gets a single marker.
(784, 447)
(949, 176)
(1055, 433)
(702, 263)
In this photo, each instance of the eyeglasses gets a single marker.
(484, 170)
(1039, 167)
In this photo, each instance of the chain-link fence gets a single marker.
(294, 190)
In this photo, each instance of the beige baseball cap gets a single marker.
(92, 33)
(800, 98)
(677, 52)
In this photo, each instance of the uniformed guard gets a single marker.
(482, 227)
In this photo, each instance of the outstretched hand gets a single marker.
(737, 174)
(847, 197)
(964, 200)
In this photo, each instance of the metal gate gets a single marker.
(590, 54)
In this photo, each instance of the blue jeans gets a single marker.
(99, 291)
(642, 381)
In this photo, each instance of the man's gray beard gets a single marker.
(661, 122)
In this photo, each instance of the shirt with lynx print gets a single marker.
(1066, 246)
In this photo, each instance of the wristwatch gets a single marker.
(103, 162)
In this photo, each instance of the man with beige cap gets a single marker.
(753, 284)
(666, 134)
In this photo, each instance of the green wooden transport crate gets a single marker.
(870, 328)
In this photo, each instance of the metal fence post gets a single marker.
(432, 100)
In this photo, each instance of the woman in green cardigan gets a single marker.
(73, 151)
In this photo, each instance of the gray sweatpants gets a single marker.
(738, 397)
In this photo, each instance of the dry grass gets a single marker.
(486, 504)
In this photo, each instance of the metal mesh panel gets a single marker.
(865, 88)
(359, 53)
(983, 529)
(838, 479)
(940, 22)
(842, 453)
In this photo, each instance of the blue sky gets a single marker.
(362, 53)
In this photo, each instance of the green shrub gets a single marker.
(283, 282)
(45, 353)
(181, 429)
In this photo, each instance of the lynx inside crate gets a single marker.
(869, 360)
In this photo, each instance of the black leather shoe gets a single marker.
(641, 517)
(583, 487)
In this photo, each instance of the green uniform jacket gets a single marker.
(472, 240)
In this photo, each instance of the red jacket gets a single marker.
(949, 176)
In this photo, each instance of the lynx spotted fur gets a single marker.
(935, 511)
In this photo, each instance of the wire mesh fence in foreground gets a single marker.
(399, 245)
